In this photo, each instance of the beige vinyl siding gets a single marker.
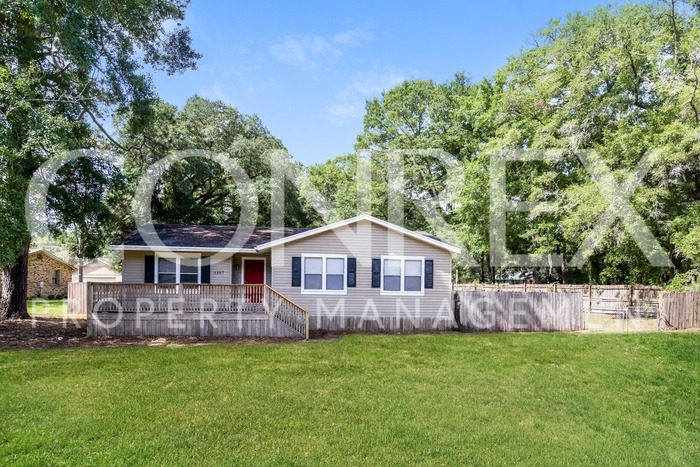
(222, 271)
(133, 267)
(365, 240)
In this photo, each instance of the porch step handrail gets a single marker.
(287, 312)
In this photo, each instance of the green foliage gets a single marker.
(622, 81)
(198, 190)
(62, 66)
(78, 211)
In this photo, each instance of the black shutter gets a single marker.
(352, 272)
(149, 269)
(376, 273)
(428, 273)
(206, 271)
(296, 271)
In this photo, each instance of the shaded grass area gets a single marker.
(40, 308)
(497, 398)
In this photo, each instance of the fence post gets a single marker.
(266, 299)
(89, 298)
(631, 300)
(306, 319)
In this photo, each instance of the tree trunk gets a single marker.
(80, 256)
(13, 299)
(482, 264)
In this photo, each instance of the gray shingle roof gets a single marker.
(207, 236)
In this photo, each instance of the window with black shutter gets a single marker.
(428, 273)
(352, 272)
(149, 269)
(206, 271)
(376, 273)
(296, 271)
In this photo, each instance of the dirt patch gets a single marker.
(60, 333)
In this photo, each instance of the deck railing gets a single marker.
(177, 298)
(286, 311)
(154, 299)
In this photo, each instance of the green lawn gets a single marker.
(431, 399)
(40, 308)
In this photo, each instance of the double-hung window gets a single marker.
(178, 269)
(402, 275)
(324, 274)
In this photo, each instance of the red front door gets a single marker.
(253, 274)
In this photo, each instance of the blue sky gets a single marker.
(306, 68)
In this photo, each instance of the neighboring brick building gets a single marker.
(48, 275)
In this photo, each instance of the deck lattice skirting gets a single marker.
(193, 310)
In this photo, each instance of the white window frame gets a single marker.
(323, 290)
(177, 258)
(403, 260)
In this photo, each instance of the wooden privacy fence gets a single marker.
(519, 311)
(78, 298)
(680, 310)
(634, 300)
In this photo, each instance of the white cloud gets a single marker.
(350, 101)
(305, 51)
(351, 37)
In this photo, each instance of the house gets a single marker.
(359, 273)
(98, 270)
(48, 275)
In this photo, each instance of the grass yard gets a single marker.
(363, 399)
(40, 308)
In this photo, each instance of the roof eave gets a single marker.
(182, 249)
(335, 225)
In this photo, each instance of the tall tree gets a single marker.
(78, 211)
(62, 65)
(412, 120)
(198, 190)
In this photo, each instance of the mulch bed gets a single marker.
(60, 333)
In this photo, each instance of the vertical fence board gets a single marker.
(680, 310)
(603, 299)
(520, 311)
(78, 298)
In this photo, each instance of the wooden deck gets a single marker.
(192, 310)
